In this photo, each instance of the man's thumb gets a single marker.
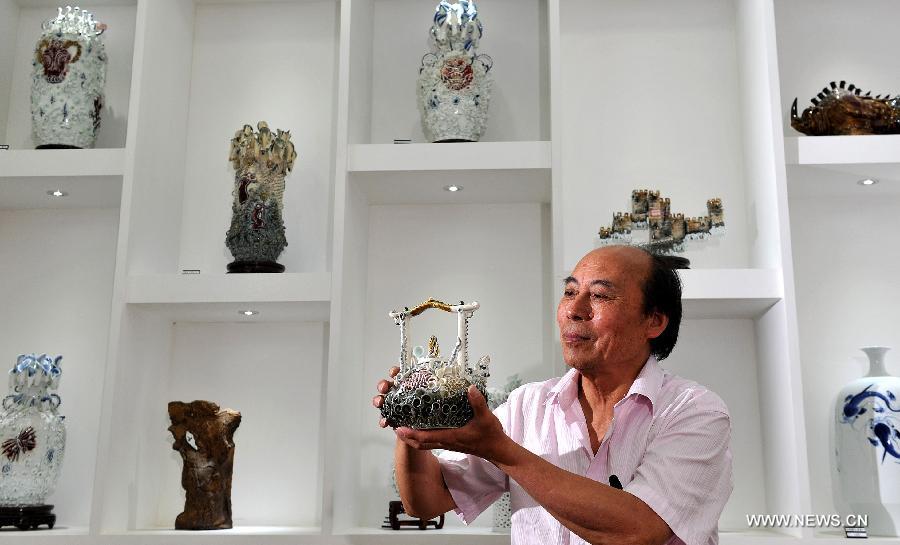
(477, 401)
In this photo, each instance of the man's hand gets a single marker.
(483, 436)
(383, 387)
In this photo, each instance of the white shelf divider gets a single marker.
(62, 162)
(842, 150)
(220, 297)
(449, 156)
(729, 293)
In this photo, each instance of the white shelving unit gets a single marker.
(840, 230)
(591, 99)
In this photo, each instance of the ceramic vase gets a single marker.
(454, 85)
(261, 160)
(430, 391)
(32, 432)
(867, 447)
(68, 77)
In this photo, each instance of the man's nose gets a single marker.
(579, 309)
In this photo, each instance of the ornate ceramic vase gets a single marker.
(67, 81)
(430, 391)
(867, 447)
(502, 507)
(261, 161)
(454, 86)
(32, 435)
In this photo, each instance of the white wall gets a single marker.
(260, 62)
(820, 41)
(272, 374)
(119, 41)
(9, 18)
(487, 253)
(515, 37)
(57, 270)
(650, 100)
(847, 295)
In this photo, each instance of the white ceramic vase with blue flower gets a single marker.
(454, 85)
(866, 452)
(32, 432)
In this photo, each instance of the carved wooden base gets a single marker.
(395, 509)
(27, 518)
(204, 436)
(255, 267)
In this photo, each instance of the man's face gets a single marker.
(601, 314)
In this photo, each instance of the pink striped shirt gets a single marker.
(668, 443)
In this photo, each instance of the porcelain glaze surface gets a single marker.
(32, 433)
(867, 447)
(68, 78)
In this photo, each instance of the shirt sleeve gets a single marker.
(685, 475)
(473, 482)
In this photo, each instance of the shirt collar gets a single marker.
(648, 383)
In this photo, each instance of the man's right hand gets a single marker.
(383, 387)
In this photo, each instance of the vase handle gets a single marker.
(428, 60)
(8, 402)
(486, 61)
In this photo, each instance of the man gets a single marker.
(563, 448)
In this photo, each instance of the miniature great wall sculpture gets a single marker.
(652, 225)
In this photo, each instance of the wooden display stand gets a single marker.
(395, 509)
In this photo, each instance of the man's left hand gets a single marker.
(483, 436)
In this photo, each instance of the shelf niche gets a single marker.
(20, 27)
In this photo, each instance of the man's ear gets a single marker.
(657, 324)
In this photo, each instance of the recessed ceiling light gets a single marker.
(57, 193)
(453, 188)
(868, 181)
(248, 312)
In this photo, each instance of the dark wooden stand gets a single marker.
(27, 518)
(395, 509)
(255, 267)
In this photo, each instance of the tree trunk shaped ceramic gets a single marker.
(69, 74)
(32, 435)
(867, 447)
(261, 161)
(454, 85)
(204, 437)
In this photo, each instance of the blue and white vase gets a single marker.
(32, 432)
(867, 447)
(68, 77)
(454, 85)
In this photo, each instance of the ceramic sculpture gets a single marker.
(69, 74)
(843, 110)
(204, 436)
(502, 507)
(663, 231)
(430, 391)
(32, 442)
(454, 85)
(867, 447)
(261, 161)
